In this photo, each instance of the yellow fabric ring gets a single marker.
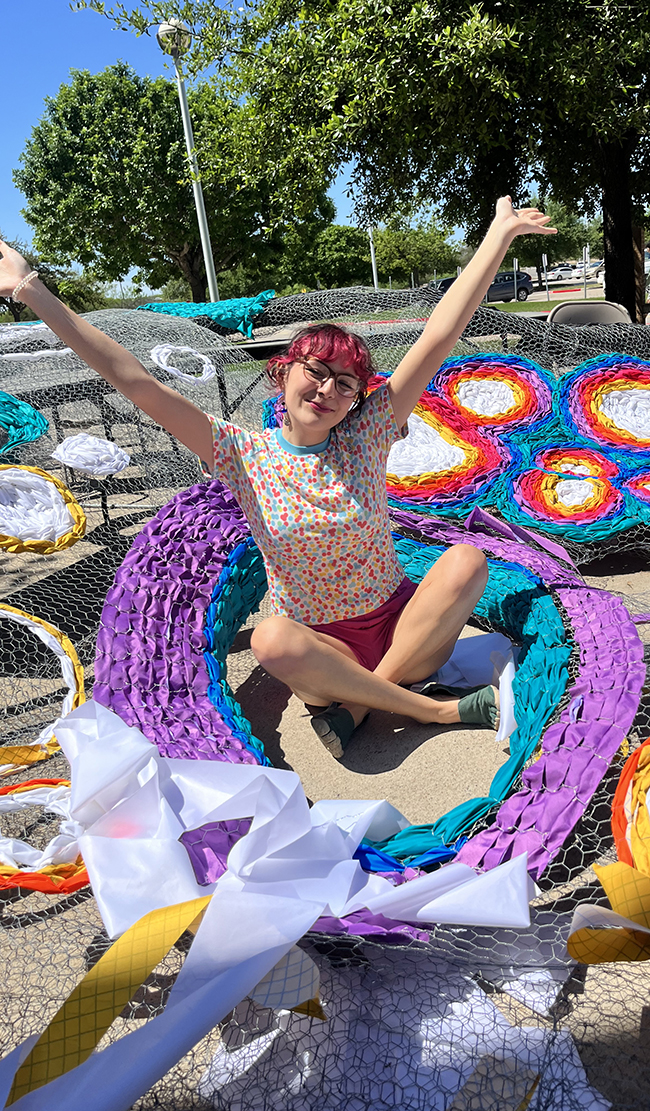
(607, 422)
(88, 1012)
(628, 891)
(46, 547)
(548, 487)
(22, 755)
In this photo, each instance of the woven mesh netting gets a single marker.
(456, 1018)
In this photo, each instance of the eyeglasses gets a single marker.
(346, 384)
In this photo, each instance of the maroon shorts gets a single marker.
(371, 635)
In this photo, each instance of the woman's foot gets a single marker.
(478, 706)
(334, 727)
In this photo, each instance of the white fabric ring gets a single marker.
(69, 664)
(162, 352)
(32, 508)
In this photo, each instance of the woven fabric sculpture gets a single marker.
(570, 458)
(152, 667)
(237, 315)
(21, 422)
(57, 869)
(37, 512)
(195, 569)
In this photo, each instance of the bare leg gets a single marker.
(315, 668)
(432, 620)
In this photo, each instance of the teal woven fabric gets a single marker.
(238, 593)
(516, 603)
(238, 314)
(21, 422)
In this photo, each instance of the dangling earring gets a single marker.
(286, 419)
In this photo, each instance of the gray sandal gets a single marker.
(334, 728)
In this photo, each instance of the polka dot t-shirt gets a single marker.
(320, 519)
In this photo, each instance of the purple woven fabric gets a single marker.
(209, 845)
(149, 667)
(577, 749)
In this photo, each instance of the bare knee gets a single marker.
(465, 567)
(276, 642)
(470, 562)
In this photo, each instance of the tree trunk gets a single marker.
(14, 307)
(190, 264)
(620, 284)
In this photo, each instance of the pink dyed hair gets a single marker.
(325, 341)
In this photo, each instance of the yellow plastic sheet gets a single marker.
(88, 1012)
(628, 891)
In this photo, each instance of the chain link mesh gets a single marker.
(479, 1019)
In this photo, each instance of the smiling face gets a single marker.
(317, 396)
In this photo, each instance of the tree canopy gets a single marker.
(454, 101)
(107, 181)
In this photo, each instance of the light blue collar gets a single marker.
(294, 449)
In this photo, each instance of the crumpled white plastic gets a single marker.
(31, 507)
(294, 865)
(407, 1024)
(477, 661)
(91, 455)
(162, 352)
(423, 451)
(25, 356)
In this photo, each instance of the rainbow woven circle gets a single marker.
(607, 399)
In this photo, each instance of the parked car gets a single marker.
(443, 285)
(503, 287)
(560, 272)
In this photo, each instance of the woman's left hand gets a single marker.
(522, 221)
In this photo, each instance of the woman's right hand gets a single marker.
(13, 268)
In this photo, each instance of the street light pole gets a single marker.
(373, 260)
(174, 39)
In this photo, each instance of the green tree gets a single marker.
(455, 102)
(107, 182)
(82, 292)
(402, 252)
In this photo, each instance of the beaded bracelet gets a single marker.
(21, 285)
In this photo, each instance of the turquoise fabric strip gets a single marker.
(238, 593)
(516, 603)
(21, 422)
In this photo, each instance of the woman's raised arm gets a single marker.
(452, 315)
(168, 408)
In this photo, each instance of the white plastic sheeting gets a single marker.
(62, 849)
(294, 865)
(479, 661)
(423, 451)
(91, 455)
(404, 1030)
(628, 409)
(489, 397)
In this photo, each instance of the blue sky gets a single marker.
(42, 41)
